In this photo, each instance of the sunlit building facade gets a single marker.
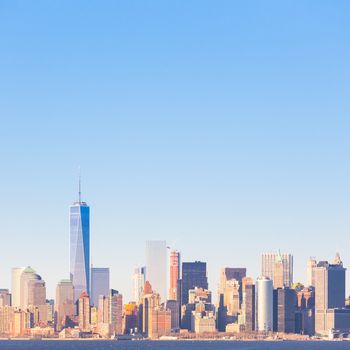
(80, 248)
(156, 253)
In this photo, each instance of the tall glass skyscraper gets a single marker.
(80, 247)
(156, 263)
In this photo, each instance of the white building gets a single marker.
(16, 285)
(138, 282)
(264, 304)
(156, 263)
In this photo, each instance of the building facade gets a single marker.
(16, 286)
(285, 306)
(80, 247)
(264, 304)
(84, 312)
(174, 274)
(5, 298)
(99, 283)
(271, 268)
(156, 262)
(311, 264)
(329, 293)
(248, 304)
(65, 308)
(138, 282)
(194, 274)
(116, 311)
(27, 275)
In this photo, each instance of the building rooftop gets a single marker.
(28, 269)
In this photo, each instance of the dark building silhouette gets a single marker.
(174, 307)
(305, 315)
(284, 308)
(248, 303)
(194, 274)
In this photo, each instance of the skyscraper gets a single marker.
(311, 264)
(65, 306)
(264, 304)
(232, 273)
(84, 312)
(99, 283)
(16, 286)
(248, 303)
(174, 274)
(174, 307)
(285, 302)
(37, 299)
(273, 265)
(36, 292)
(80, 247)
(194, 274)
(116, 311)
(156, 266)
(138, 282)
(330, 297)
(27, 275)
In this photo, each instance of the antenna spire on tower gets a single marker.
(79, 185)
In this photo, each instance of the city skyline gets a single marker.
(164, 271)
(221, 129)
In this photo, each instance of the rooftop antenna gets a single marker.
(79, 185)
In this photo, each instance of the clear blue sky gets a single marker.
(222, 127)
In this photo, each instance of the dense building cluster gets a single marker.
(170, 297)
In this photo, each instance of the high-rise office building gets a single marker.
(84, 312)
(174, 274)
(36, 292)
(305, 314)
(150, 301)
(138, 282)
(99, 283)
(156, 262)
(248, 303)
(330, 297)
(174, 307)
(194, 274)
(37, 300)
(80, 246)
(278, 273)
(284, 305)
(16, 286)
(103, 309)
(275, 264)
(27, 275)
(311, 264)
(50, 307)
(65, 307)
(264, 304)
(231, 297)
(116, 311)
(130, 318)
(232, 273)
